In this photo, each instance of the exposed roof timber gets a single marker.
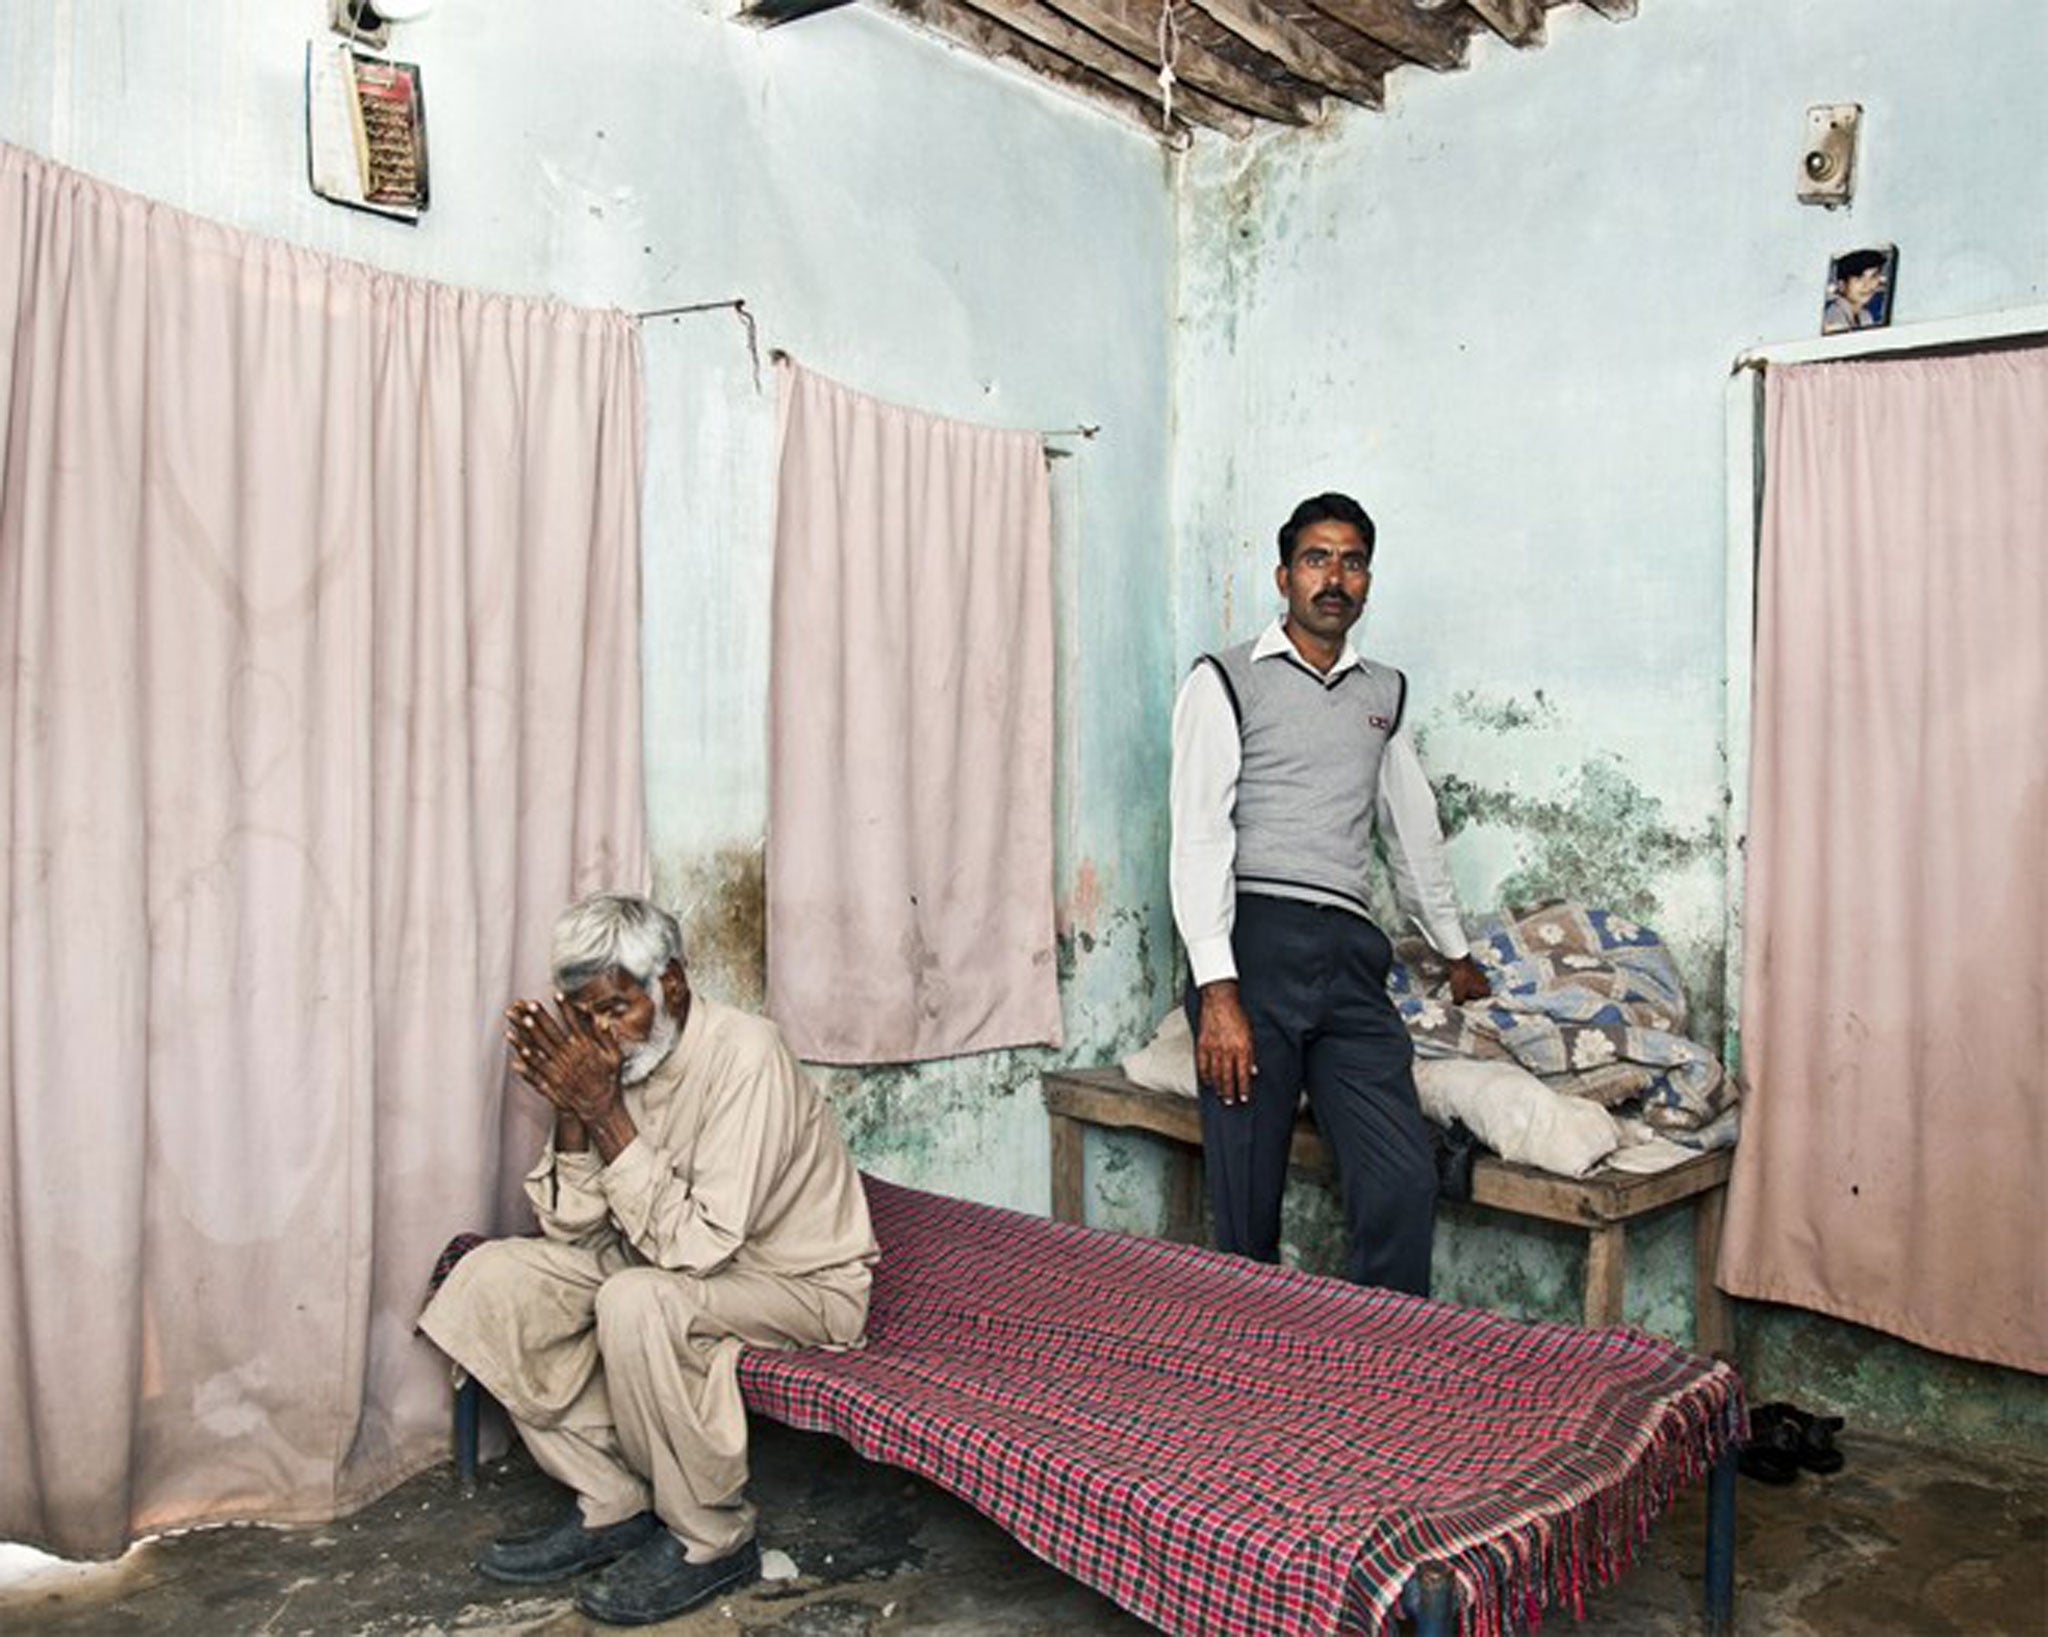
(1134, 25)
(1236, 63)
(1519, 22)
(1297, 50)
(1058, 33)
(1000, 41)
(1418, 35)
(769, 13)
(1345, 40)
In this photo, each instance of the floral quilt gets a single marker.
(1585, 999)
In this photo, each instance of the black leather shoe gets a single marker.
(563, 1548)
(1771, 1454)
(1817, 1452)
(657, 1582)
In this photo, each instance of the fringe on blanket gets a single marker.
(1508, 1580)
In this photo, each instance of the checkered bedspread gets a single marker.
(1224, 1447)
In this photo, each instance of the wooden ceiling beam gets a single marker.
(1419, 36)
(1615, 11)
(774, 13)
(1519, 22)
(1133, 26)
(1296, 50)
(1367, 56)
(999, 42)
(1057, 33)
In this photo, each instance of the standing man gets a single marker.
(695, 1199)
(1286, 749)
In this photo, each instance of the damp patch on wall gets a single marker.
(721, 899)
(1504, 715)
(1602, 839)
(976, 1126)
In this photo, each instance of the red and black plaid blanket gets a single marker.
(1224, 1447)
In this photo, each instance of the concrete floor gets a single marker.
(1903, 1540)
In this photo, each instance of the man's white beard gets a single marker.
(642, 1060)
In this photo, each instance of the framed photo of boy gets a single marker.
(1859, 290)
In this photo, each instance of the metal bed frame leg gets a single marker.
(468, 1400)
(1427, 1597)
(1721, 1547)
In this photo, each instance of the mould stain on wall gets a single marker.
(1601, 840)
(975, 1125)
(1508, 715)
(722, 901)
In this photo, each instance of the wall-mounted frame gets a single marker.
(1860, 286)
(366, 131)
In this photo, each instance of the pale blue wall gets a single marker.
(1503, 313)
(899, 215)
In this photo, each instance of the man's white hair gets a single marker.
(608, 930)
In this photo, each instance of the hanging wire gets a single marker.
(736, 304)
(1169, 53)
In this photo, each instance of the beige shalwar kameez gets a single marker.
(735, 1218)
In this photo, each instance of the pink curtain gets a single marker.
(910, 908)
(1895, 1002)
(318, 599)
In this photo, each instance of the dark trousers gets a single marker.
(1313, 981)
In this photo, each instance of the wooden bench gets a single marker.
(1603, 1204)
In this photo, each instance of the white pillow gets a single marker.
(1166, 1062)
(1515, 1114)
(1503, 1104)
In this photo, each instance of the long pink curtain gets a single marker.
(320, 686)
(910, 847)
(1895, 1001)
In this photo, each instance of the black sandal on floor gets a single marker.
(1817, 1452)
(1771, 1453)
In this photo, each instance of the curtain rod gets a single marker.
(778, 355)
(737, 305)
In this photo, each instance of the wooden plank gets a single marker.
(1105, 1097)
(1068, 1169)
(1050, 29)
(1133, 26)
(996, 41)
(1604, 1196)
(1601, 1204)
(1419, 36)
(1519, 22)
(1184, 1195)
(1119, 1105)
(1606, 1268)
(1367, 56)
(1713, 1317)
(1295, 49)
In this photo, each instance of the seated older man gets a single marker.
(695, 1199)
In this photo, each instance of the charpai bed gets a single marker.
(1223, 1447)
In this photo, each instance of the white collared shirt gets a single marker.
(1207, 753)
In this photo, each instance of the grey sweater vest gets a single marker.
(1309, 782)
